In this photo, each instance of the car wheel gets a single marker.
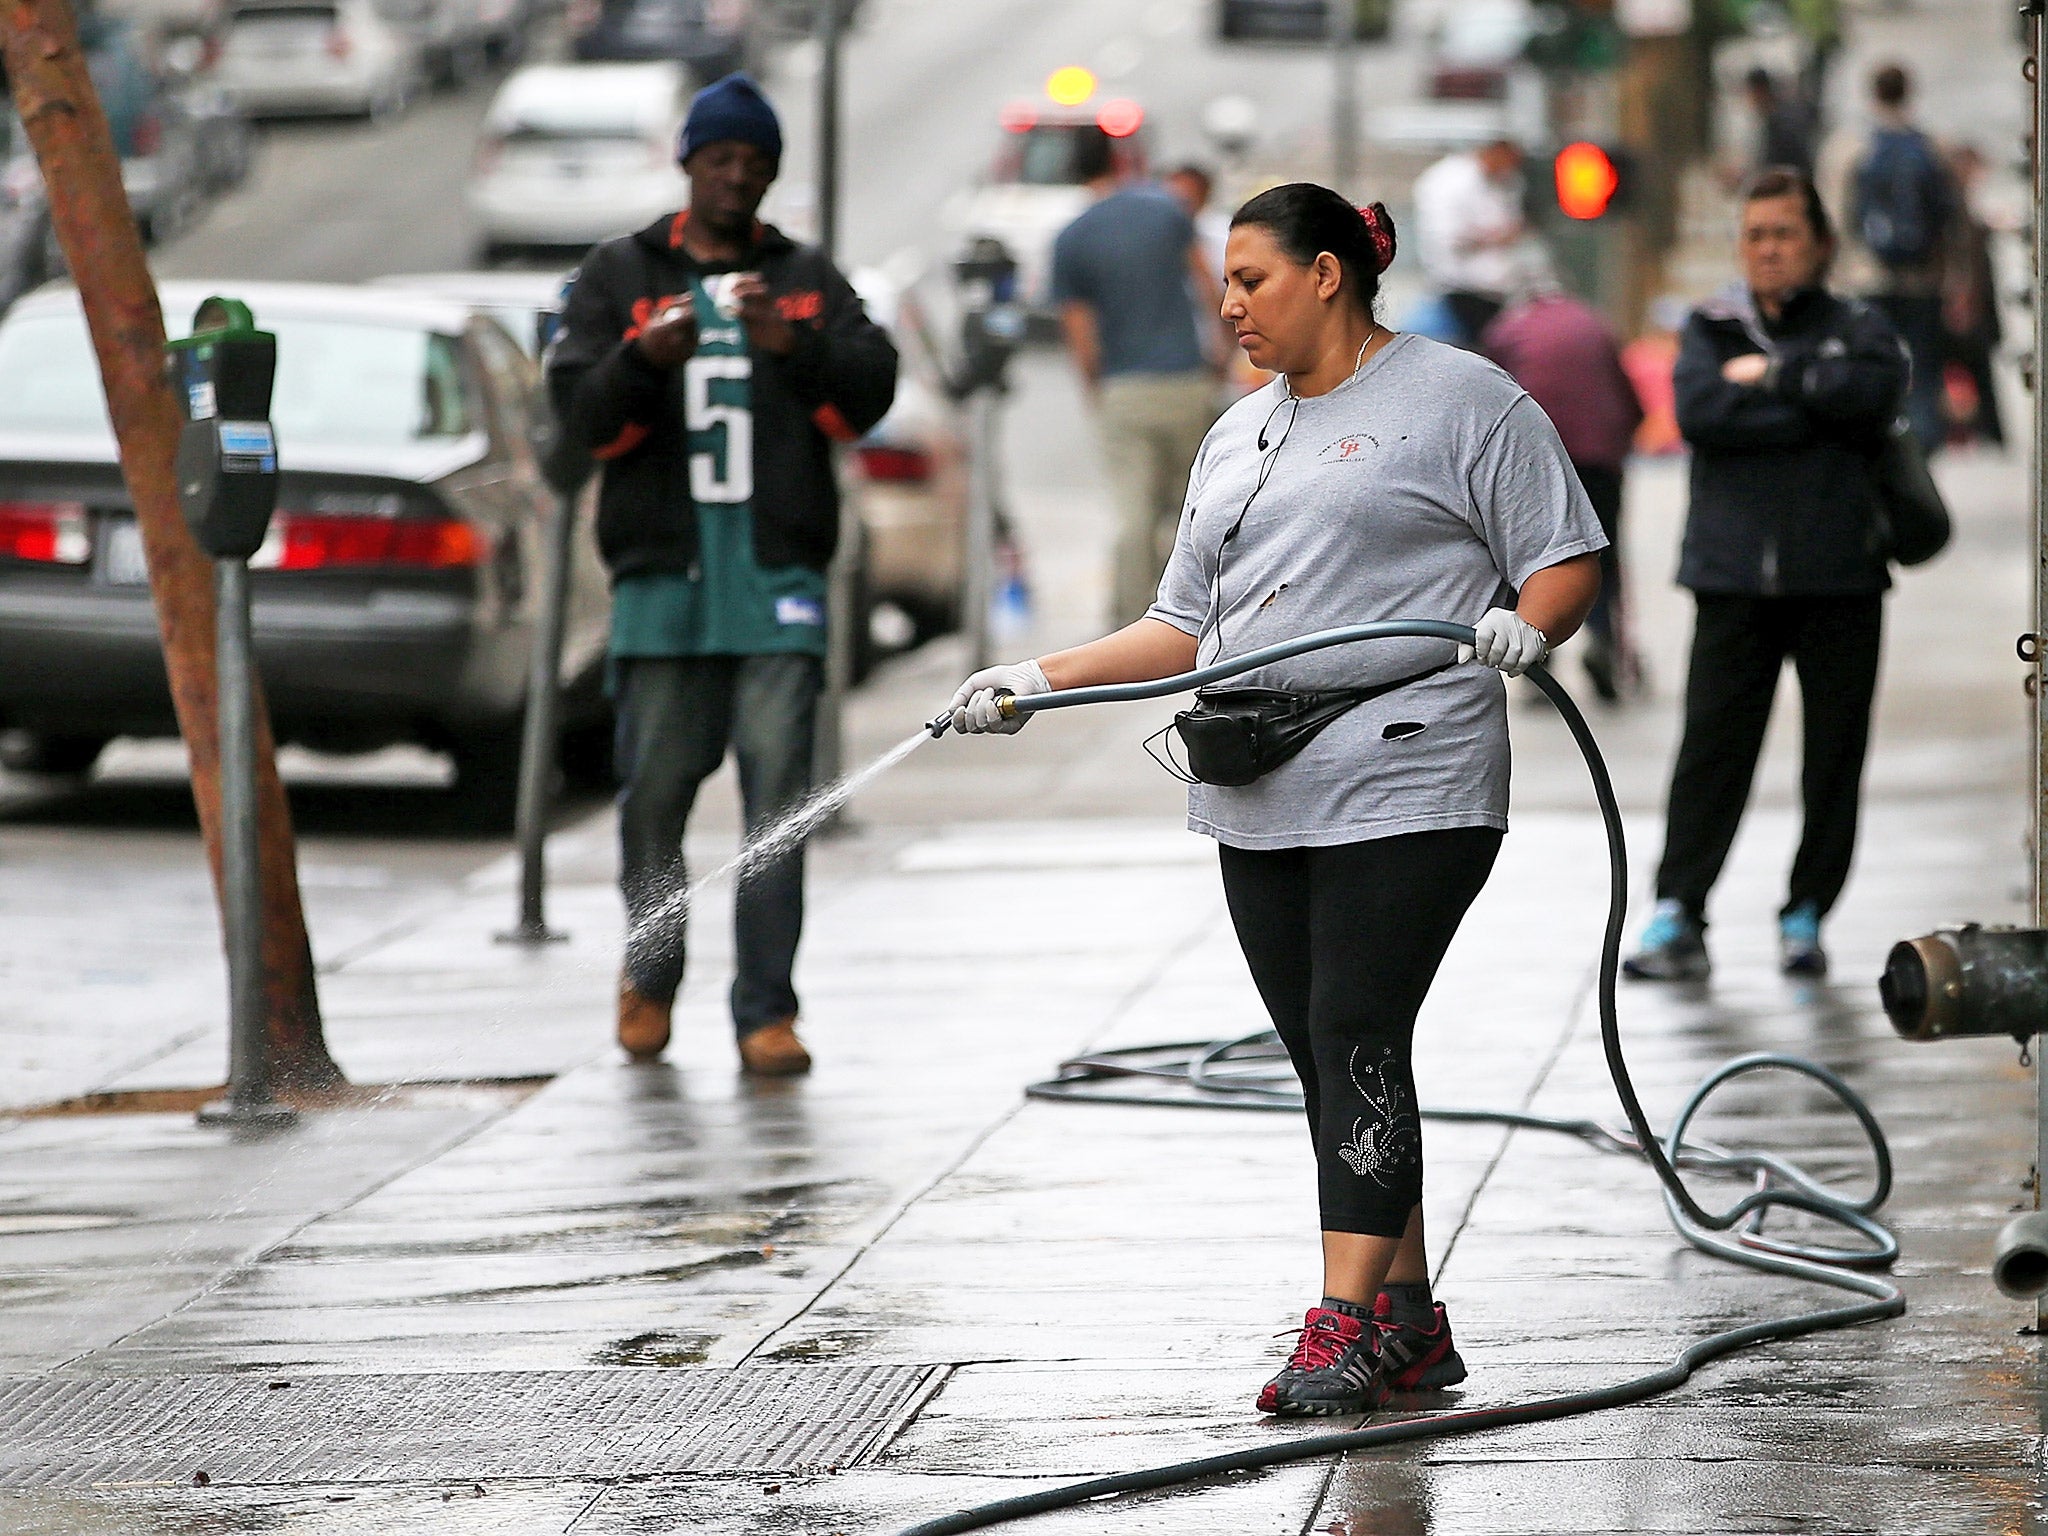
(485, 795)
(50, 752)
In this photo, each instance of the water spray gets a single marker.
(1735, 1233)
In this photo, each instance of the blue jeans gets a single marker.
(677, 717)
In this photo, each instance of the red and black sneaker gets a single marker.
(1333, 1369)
(1415, 1359)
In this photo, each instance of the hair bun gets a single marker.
(1380, 225)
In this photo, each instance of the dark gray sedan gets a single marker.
(396, 597)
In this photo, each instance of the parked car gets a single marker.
(909, 474)
(453, 36)
(1031, 191)
(298, 57)
(570, 154)
(525, 303)
(708, 38)
(394, 598)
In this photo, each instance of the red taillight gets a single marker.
(1019, 117)
(895, 464)
(1120, 119)
(339, 44)
(148, 136)
(210, 50)
(52, 532)
(307, 541)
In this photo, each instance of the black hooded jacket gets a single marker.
(1784, 497)
(836, 383)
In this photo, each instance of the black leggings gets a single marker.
(1343, 943)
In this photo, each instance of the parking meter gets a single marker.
(227, 453)
(227, 488)
(991, 321)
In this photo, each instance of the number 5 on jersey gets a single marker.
(722, 470)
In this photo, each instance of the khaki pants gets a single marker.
(1151, 424)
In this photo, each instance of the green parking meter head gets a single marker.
(226, 366)
(227, 456)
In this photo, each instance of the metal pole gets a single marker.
(977, 576)
(2039, 499)
(1343, 96)
(537, 749)
(828, 756)
(248, 1100)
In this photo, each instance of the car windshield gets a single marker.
(340, 383)
(1045, 157)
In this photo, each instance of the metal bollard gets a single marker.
(537, 747)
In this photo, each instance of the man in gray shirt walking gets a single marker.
(1121, 276)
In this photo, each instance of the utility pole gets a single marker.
(1341, 16)
(2038, 497)
(828, 757)
(53, 93)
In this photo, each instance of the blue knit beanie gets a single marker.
(732, 108)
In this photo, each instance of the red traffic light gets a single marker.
(1587, 180)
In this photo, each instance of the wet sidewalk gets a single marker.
(564, 1293)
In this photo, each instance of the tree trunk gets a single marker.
(54, 95)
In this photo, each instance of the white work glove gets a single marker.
(1507, 642)
(974, 705)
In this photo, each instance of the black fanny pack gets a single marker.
(1236, 735)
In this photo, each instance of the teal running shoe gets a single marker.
(1672, 947)
(1799, 951)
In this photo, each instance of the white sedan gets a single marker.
(287, 57)
(576, 153)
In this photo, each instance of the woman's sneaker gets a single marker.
(1672, 947)
(1799, 951)
(1415, 1359)
(1333, 1369)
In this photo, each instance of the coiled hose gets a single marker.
(1214, 1071)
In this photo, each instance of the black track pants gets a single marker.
(1739, 646)
(1343, 943)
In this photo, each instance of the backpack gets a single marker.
(1902, 201)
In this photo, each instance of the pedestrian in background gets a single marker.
(1971, 327)
(1469, 221)
(1564, 354)
(1126, 275)
(1786, 394)
(1785, 125)
(707, 363)
(1904, 207)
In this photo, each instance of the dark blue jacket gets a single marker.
(1783, 490)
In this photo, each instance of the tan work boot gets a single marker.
(773, 1050)
(643, 1023)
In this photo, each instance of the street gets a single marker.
(514, 1284)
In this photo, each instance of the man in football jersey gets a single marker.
(708, 363)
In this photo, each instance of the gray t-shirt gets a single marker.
(1427, 486)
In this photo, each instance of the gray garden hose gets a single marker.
(1735, 1234)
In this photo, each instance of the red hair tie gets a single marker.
(1380, 226)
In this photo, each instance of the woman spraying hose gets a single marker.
(1379, 476)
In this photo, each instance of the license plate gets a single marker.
(121, 559)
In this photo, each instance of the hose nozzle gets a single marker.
(942, 722)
